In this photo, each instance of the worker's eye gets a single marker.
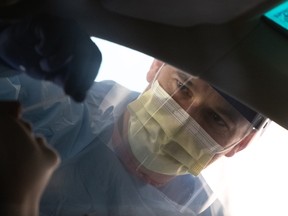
(218, 120)
(183, 89)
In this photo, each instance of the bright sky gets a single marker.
(123, 65)
(253, 182)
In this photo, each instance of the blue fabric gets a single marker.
(91, 180)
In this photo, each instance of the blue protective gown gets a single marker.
(91, 180)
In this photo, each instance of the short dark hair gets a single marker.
(251, 115)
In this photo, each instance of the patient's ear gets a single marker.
(155, 66)
(241, 145)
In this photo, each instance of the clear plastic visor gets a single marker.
(204, 104)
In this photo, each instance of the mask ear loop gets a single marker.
(158, 72)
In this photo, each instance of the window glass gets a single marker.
(253, 182)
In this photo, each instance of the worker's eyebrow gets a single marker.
(187, 79)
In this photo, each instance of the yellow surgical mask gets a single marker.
(165, 138)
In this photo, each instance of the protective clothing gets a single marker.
(91, 179)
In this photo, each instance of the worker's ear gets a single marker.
(156, 64)
(241, 145)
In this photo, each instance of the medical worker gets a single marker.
(26, 163)
(128, 154)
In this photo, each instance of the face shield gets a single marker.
(181, 124)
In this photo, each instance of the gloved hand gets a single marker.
(52, 48)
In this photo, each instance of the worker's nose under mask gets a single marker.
(165, 138)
